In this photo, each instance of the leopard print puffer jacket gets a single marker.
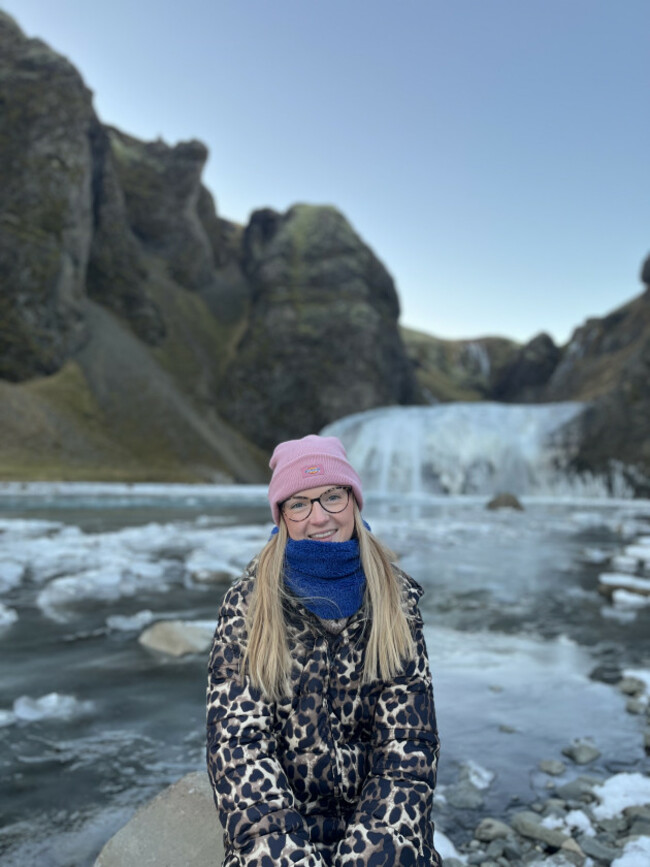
(338, 774)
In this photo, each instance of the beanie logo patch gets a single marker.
(313, 470)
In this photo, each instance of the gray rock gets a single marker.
(606, 672)
(178, 637)
(505, 501)
(512, 850)
(580, 789)
(528, 824)
(631, 686)
(640, 828)
(492, 829)
(452, 862)
(495, 849)
(582, 752)
(180, 826)
(552, 766)
(316, 287)
(464, 796)
(46, 205)
(526, 374)
(612, 827)
(595, 848)
(635, 706)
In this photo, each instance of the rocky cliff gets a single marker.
(321, 341)
(143, 336)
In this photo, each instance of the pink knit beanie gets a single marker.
(309, 463)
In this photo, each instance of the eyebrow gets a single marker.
(298, 497)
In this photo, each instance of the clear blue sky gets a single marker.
(494, 153)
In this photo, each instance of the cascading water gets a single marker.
(467, 448)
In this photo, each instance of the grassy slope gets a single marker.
(121, 410)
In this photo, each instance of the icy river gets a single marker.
(93, 724)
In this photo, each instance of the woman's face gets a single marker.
(322, 526)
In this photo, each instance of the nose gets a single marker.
(318, 514)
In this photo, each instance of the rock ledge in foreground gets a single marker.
(180, 826)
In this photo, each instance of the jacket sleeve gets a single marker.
(255, 803)
(392, 821)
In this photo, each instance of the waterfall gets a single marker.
(466, 448)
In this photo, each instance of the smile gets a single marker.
(324, 535)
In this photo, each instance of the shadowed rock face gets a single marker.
(524, 377)
(45, 210)
(322, 340)
(614, 355)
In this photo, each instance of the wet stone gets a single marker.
(606, 673)
(638, 811)
(646, 740)
(614, 826)
(581, 752)
(554, 767)
(633, 705)
(528, 825)
(631, 686)
(580, 789)
(512, 850)
(492, 829)
(464, 796)
(452, 862)
(595, 848)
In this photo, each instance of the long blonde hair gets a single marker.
(390, 642)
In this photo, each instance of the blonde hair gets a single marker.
(390, 642)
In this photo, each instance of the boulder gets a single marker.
(178, 637)
(505, 501)
(581, 752)
(322, 339)
(180, 826)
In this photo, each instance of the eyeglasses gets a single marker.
(299, 508)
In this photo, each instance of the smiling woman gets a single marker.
(322, 737)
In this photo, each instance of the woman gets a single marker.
(322, 741)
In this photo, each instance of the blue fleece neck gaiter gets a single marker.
(327, 576)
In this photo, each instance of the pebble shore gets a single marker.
(588, 820)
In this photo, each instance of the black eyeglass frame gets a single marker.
(313, 500)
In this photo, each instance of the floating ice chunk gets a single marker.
(7, 718)
(595, 555)
(639, 552)
(26, 528)
(625, 563)
(619, 580)
(621, 791)
(54, 705)
(11, 573)
(134, 623)
(625, 599)
(7, 615)
(104, 584)
(636, 853)
(622, 615)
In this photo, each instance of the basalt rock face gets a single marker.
(322, 338)
(525, 376)
(607, 363)
(113, 267)
(45, 210)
